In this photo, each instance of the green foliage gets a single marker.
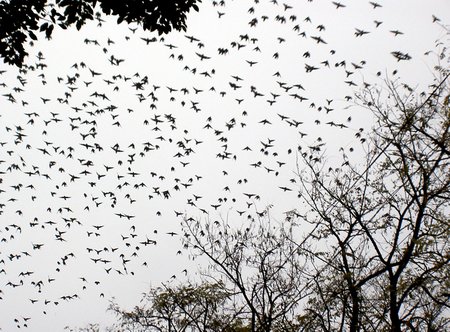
(22, 19)
(195, 307)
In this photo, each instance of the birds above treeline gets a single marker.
(101, 159)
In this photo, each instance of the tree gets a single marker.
(191, 307)
(257, 262)
(384, 222)
(21, 19)
(254, 281)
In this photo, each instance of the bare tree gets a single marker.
(258, 262)
(384, 221)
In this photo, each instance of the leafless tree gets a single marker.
(258, 262)
(382, 251)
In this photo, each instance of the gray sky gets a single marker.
(49, 199)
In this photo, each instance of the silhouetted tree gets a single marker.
(191, 307)
(257, 262)
(382, 254)
(20, 19)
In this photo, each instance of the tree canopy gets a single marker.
(20, 20)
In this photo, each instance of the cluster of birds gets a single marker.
(99, 161)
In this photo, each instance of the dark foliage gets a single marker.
(20, 19)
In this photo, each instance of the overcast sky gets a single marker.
(116, 131)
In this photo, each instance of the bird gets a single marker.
(202, 56)
(338, 4)
(375, 5)
(401, 56)
(359, 32)
(310, 68)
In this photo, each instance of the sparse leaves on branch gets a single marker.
(384, 221)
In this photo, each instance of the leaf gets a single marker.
(32, 35)
(43, 27)
(48, 32)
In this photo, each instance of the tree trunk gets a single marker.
(253, 325)
(393, 308)
(354, 323)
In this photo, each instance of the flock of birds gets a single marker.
(99, 161)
